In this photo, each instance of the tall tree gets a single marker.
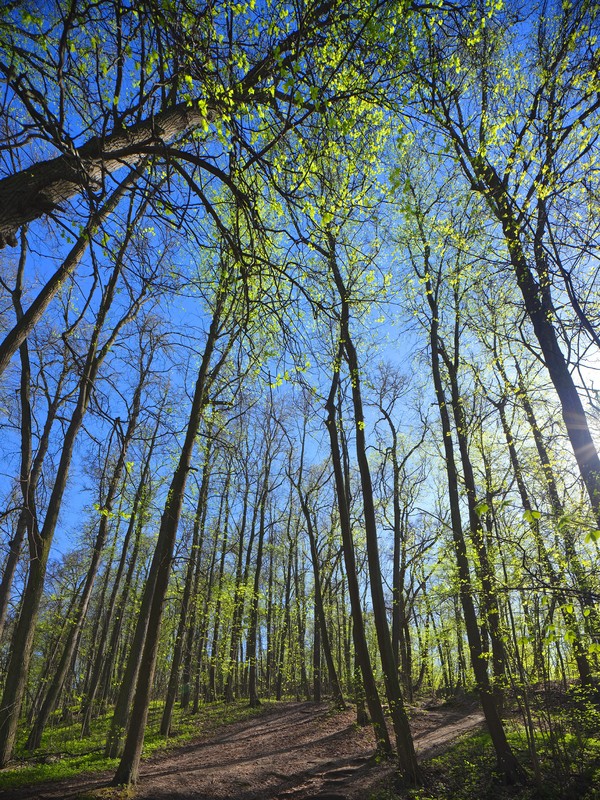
(527, 166)
(40, 542)
(221, 329)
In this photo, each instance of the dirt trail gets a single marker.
(294, 751)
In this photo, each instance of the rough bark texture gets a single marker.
(41, 188)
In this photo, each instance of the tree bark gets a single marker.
(406, 751)
(22, 643)
(28, 320)
(156, 587)
(41, 188)
(358, 627)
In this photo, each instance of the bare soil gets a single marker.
(293, 751)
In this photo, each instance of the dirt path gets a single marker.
(294, 751)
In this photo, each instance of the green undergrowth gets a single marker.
(561, 757)
(64, 754)
(568, 769)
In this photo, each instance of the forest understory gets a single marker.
(301, 750)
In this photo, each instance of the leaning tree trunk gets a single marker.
(22, 642)
(35, 736)
(539, 307)
(42, 187)
(586, 592)
(28, 517)
(160, 570)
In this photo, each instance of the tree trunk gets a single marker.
(252, 641)
(25, 518)
(105, 655)
(194, 559)
(35, 736)
(156, 587)
(507, 762)
(538, 304)
(241, 580)
(214, 644)
(320, 621)
(22, 643)
(28, 320)
(42, 187)
(114, 739)
(489, 600)
(358, 628)
(406, 751)
(579, 651)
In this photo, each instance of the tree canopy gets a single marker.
(298, 372)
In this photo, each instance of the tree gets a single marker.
(406, 752)
(390, 387)
(529, 164)
(430, 245)
(257, 80)
(160, 570)
(40, 542)
(106, 504)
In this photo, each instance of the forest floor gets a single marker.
(290, 751)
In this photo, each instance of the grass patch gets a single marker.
(63, 754)
(468, 771)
